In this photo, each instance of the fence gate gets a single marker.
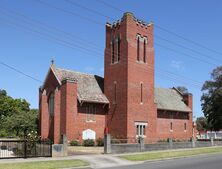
(24, 149)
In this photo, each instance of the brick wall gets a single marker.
(69, 116)
(128, 75)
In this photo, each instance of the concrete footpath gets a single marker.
(96, 161)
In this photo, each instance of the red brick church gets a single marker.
(124, 103)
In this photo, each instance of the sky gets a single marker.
(72, 33)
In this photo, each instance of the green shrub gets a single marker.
(3, 133)
(100, 142)
(162, 140)
(116, 141)
(89, 142)
(74, 143)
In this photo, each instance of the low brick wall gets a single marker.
(141, 147)
(59, 150)
(123, 148)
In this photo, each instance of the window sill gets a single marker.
(171, 130)
(115, 63)
(143, 136)
(141, 62)
(90, 121)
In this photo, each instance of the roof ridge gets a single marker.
(162, 88)
(73, 71)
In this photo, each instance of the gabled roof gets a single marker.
(170, 99)
(89, 87)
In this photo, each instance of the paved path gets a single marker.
(96, 161)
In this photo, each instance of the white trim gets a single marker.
(50, 69)
(137, 136)
(141, 123)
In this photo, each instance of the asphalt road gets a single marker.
(213, 161)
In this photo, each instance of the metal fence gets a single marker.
(24, 149)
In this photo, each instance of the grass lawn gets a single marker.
(171, 154)
(59, 164)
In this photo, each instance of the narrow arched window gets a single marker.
(171, 126)
(113, 51)
(144, 51)
(115, 93)
(141, 92)
(185, 126)
(118, 50)
(51, 105)
(138, 48)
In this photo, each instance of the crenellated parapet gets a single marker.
(129, 16)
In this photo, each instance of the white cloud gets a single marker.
(176, 64)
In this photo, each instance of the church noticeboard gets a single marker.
(88, 134)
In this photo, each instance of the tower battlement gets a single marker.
(128, 16)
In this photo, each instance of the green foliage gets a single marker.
(20, 122)
(16, 116)
(115, 141)
(89, 142)
(100, 142)
(3, 133)
(202, 124)
(212, 99)
(74, 143)
(162, 141)
(3, 93)
(32, 136)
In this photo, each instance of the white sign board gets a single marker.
(88, 134)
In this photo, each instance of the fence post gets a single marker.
(193, 142)
(141, 143)
(65, 145)
(107, 144)
(171, 143)
(212, 141)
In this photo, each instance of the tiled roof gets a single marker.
(89, 87)
(170, 99)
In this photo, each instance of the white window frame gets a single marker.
(140, 129)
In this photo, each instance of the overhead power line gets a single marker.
(111, 6)
(163, 73)
(68, 12)
(188, 40)
(174, 43)
(166, 30)
(158, 70)
(20, 72)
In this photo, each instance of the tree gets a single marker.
(15, 112)
(182, 89)
(21, 121)
(8, 106)
(3, 93)
(202, 124)
(212, 99)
